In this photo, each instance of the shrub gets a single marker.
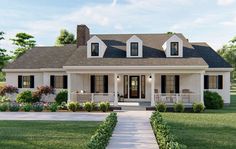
(36, 96)
(178, 107)
(103, 133)
(213, 100)
(37, 107)
(103, 106)
(4, 106)
(72, 106)
(88, 106)
(45, 90)
(26, 107)
(8, 89)
(14, 107)
(63, 106)
(198, 107)
(163, 134)
(4, 99)
(53, 107)
(25, 96)
(161, 107)
(62, 96)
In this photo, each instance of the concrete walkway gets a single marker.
(64, 116)
(133, 131)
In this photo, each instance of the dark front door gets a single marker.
(134, 86)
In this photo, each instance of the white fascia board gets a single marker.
(220, 69)
(34, 70)
(134, 67)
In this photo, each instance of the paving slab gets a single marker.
(63, 116)
(133, 131)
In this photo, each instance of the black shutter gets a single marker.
(163, 84)
(220, 82)
(31, 81)
(52, 81)
(65, 82)
(206, 82)
(19, 81)
(92, 84)
(176, 84)
(105, 83)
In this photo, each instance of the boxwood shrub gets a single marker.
(27, 97)
(101, 138)
(161, 107)
(26, 107)
(62, 96)
(178, 107)
(4, 106)
(198, 107)
(104, 106)
(72, 106)
(88, 106)
(162, 132)
(213, 100)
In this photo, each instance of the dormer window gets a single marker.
(174, 48)
(95, 49)
(134, 49)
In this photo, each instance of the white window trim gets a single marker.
(102, 47)
(134, 38)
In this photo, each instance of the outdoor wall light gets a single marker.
(82, 91)
(118, 78)
(150, 78)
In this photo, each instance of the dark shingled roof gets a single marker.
(210, 56)
(115, 55)
(43, 57)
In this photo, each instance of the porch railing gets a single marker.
(93, 97)
(171, 98)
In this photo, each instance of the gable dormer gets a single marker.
(95, 47)
(173, 47)
(134, 47)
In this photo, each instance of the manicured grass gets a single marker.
(46, 134)
(213, 129)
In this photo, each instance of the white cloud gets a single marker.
(225, 2)
(231, 23)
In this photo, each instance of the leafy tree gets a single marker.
(24, 42)
(65, 37)
(228, 52)
(4, 58)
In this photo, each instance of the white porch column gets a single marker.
(69, 86)
(115, 90)
(152, 89)
(202, 87)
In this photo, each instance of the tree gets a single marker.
(65, 38)
(24, 42)
(228, 52)
(4, 58)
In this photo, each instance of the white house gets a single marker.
(136, 67)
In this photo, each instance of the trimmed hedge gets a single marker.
(161, 107)
(198, 107)
(101, 138)
(62, 96)
(213, 100)
(162, 132)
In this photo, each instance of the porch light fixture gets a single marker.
(82, 91)
(118, 78)
(150, 78)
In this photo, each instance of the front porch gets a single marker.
(121, 88)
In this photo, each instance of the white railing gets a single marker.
(171, 98)
(92, 97)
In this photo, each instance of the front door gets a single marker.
(134, 86)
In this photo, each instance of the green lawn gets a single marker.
(213, 129)
(45, 134)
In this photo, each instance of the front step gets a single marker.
(133, 108)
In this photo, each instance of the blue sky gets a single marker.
(211, 21)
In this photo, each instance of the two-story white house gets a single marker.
(136, 67)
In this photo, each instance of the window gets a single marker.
(213, 82)
(99, 83)
(170, 84)
(143, 86)
(174, 48)
(59, 82)
(134, 48)
(95, 49)
(25, 81)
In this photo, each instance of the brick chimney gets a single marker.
(83, 35)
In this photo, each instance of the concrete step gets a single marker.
(133, 108)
